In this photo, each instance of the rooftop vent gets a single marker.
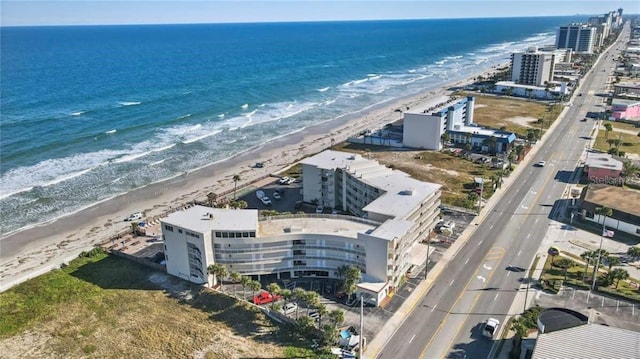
(292, 229)
(407, 192)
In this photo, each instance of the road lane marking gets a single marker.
(528, 235)
(486, 267)
(508, 273)
(467, 261)
(496, 297)
(536, 220)
(424, 350)
(451, 282)
(481, 278)
(491, 226)
(434, 308)
(413, 337)
(519, 252)
(479, 243)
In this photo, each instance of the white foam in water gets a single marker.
(53, 171)
(245, 106)
(77, 113)
(129, 103)
(110, 132)
(221, 115)
(183, 117)
(323, 89)
(251, 113)
(157, 162)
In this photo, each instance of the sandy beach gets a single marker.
(36, 250)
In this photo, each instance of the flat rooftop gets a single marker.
(617, 198)
(203, 219)
(310, 224)
(603, 160)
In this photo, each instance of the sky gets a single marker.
(100, 12)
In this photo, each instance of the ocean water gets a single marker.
(90, 112)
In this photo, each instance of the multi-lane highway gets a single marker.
(481, 281)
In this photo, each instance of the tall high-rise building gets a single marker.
(578, 37)
(532, 67)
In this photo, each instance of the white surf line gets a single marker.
(434, 308)
(453, 280)
(496, 297)
(412, 338)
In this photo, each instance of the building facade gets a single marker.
(623, 202)
(532, 67)
(625, 109)
(603, 168)
(578, 37)
(400, 212)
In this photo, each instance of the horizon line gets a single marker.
(293, 21)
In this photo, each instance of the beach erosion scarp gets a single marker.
(36, 250)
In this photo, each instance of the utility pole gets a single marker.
(361, 349)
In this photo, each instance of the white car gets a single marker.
(266, 201)
(541, 163)
(320, 209)
(134, 217)
(284, 180)
(490, 328)
(289, 308)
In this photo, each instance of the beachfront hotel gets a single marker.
(390, 213)
(532, 67)
(424, 131)
(578, 37)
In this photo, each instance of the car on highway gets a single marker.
(541, 163)
(490, 328)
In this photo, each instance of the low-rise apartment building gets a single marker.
(391, 213)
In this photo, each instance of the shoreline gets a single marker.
(30, 252)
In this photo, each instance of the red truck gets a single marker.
(264, 298)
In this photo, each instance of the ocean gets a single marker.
(91, 112)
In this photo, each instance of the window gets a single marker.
(225, 235)
(232, 235)
(252, 234)
(179, 230)
(168, 227)
(245, 234)
(238, 234)
(219, 234)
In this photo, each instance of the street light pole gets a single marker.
(426, 265)
(361, 349)
(595, 269)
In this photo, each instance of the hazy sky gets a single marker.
(28, 12)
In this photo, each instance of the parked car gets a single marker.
(266, 201)
(264, 298)
(134, 217)
(490, 328)
(260, 194)
(314, 315)
(284, 180)
(259, 165)
(319, 209)
(289, 308)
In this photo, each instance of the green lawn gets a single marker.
(575, 278)
(630, 143)
(109, 307)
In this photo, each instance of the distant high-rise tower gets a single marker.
(532, 67)
(578, 37)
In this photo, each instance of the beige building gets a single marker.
(391, 214)
(532, 67)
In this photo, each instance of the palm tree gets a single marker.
(211, 198)
(286, 295)
(445, 138)
(311, 299)
(218, 271)
(588, 256)
(608, 128)
(634, 252)
(336, 316)
(322, 311)
(619, 274)
(255, 286)
(135, 226)
(236, 179)
(298, 294)
(603, 212)
(629, 169)
(235, 278)
(274, 289)
(566, 264)
(244, 281)
(612, 262)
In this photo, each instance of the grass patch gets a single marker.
(293, 171)
(108, 307)
(630, 143)
(454, 173)
(495, 112)
(575, 276)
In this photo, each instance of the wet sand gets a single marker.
(37, 250)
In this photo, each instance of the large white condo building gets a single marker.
(532, 67)
(391, 213)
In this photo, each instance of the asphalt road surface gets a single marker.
(484, 277)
